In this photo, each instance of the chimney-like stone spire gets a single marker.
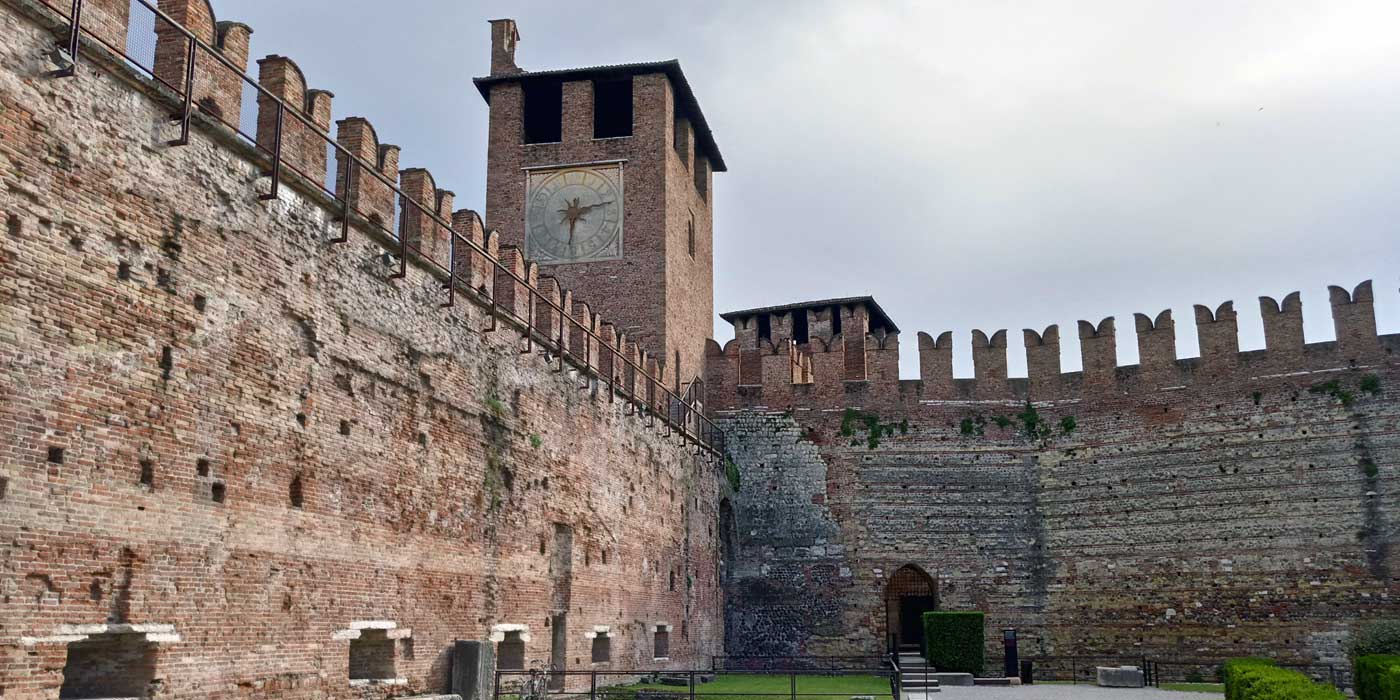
(504, 37)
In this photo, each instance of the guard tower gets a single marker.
(602, 175)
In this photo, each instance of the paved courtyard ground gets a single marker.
(1058, 692)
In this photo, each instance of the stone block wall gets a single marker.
(1240, 503)
(254, 448)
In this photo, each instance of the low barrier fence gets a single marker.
(880, 683)
(1084, 669)
(807, 663)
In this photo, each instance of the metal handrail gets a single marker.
(704, 439)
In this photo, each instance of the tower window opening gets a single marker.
(799, 327)
(702, 176)
(765, 327)
(680, 139)
(612, 108)
(836, 320)
(544, 111)
(690, 236)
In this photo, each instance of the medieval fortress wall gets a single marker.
(258, 450)
(1226, 505)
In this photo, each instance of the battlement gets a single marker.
(292, 141)
(770, 364)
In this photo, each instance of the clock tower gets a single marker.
(602, 176)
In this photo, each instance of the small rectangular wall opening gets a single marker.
(612, 108)
(109, 666)
(702, 176)
(602, 648)
(372, 656)
(510, 652)
(661, 644)
(543, 110)
(799, 327)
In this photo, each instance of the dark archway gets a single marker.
(910, 593)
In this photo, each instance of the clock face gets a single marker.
(574, 214)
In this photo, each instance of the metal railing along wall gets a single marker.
(648, 397)
(643, 684)
(832, 663)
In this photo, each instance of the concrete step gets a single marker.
(919, 678)
(954, 678)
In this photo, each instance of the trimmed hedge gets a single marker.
(1260, 679)
(1378, 677)
(954, 642)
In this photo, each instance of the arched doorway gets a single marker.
(910, 593)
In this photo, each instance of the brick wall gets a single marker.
(219, 421)
(1234, 504)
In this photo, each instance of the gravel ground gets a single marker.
(1058, 692)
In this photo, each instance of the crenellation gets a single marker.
(770, 373)
(936, 362)
(547, 317)
(218, 91)
(417, 227)
(883, 352)
(370, 193)
(1098, 348)
(303, 147)
(1043, 360)
(607, 349)
(855, 326)
(108, 21)
(582, 345)
(989, 359)
(1156, 340)
(1283, 328)
(512, 297)
(1219, 337)
(441, 244)
(1354, 317)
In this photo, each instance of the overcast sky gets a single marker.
(972, 165)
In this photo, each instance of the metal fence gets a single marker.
(1208, 671)
(832, 664)
(881, 683)
(1084, 669)
(545, 323)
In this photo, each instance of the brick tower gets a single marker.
(602, 175)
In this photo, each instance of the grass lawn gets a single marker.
(1218, 688)
(734, 685)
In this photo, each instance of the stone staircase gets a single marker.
(915, 675)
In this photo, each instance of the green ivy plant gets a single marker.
(869, 423)
(1371, 384)
(1334, 389)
